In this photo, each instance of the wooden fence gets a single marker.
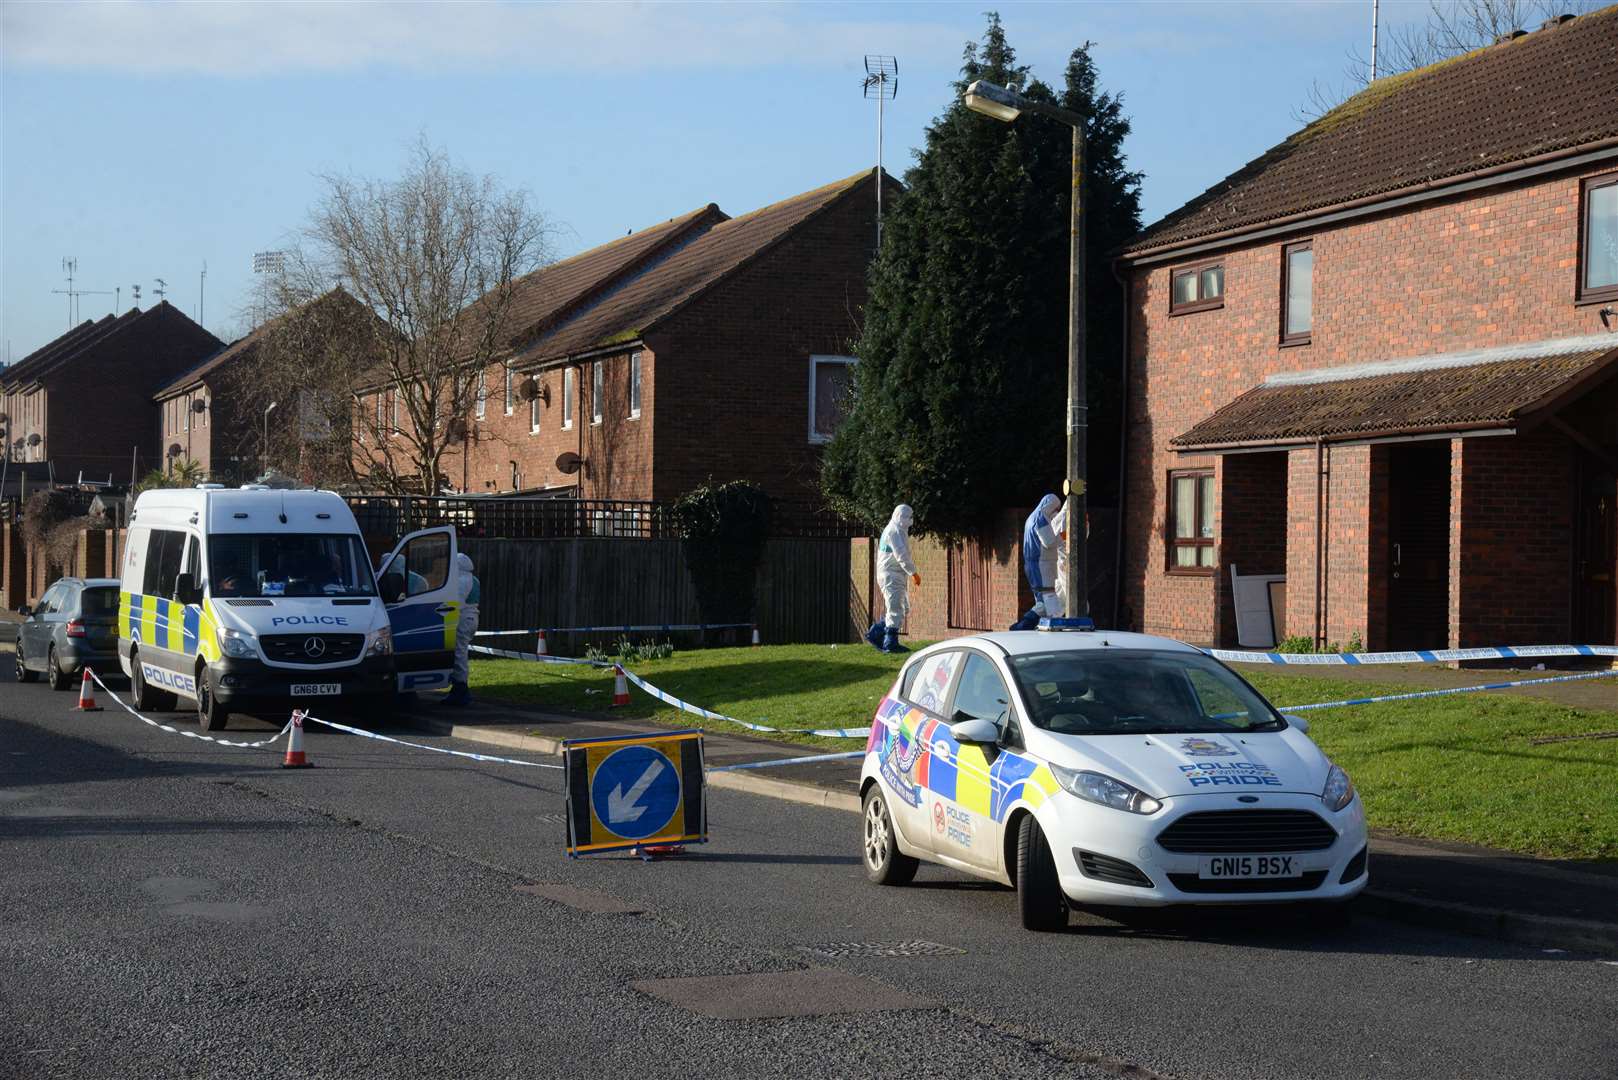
(802, 586)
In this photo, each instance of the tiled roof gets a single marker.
(72, 341)
(633, 307)
(1553, 89)
(1434, 394)
(240, 347)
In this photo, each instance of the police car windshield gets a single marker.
(288, 564)
(1132, 692)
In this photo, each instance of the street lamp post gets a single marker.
(264, 452)
(1002, 104)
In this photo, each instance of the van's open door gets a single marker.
(423, 606)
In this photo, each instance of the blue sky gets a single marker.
(146, 138)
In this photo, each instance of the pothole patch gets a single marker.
(594, 903)
(842, 949)
(810, 992)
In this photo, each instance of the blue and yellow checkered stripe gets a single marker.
(168, 624)
(964, 774)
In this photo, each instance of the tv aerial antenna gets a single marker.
(882, 85)
(162, 289)
(70, 266)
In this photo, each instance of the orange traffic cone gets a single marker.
(620, 687)
(540, 649)
(87, 694)
(755, 633)
(295, 758)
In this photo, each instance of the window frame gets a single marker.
(533, 415)
(1172, 543)
(634, 385)
(511, 397)
(570, 395)
(815, 360)
(1196, 270)
(1602, 293)
(598, 391)
(1287, 251)
(480, 407)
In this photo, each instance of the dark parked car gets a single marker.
(75, 624)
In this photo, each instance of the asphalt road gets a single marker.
(173, 908)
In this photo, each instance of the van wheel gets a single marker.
(23, 674)
(1040, 903)
(211, 716)
(54, 674)
(146, 699)
(885, 864)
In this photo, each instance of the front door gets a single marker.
(1417, 559)
(425, 614)
(1595, 581)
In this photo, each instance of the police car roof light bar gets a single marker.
(1067, 624)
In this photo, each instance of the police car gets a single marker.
(1086, 766)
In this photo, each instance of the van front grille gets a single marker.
(312, 648)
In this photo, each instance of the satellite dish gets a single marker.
(34, 439)
(199, 405)
(175, 449)
(569, 462)
(529, 389)
(5, 418)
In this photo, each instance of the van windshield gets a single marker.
(288, 564)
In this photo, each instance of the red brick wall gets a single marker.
(1492, 268)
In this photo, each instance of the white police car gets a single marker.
(1097, 767)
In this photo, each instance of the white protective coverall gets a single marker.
(1039, 554)
(894, 567)
(467, 592)
(1056, 603)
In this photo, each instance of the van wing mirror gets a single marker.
(392, 587)
(186, 589)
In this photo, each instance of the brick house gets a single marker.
(83, 402)
(1378, 363)
(708, 346)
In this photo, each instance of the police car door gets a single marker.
(965, 825)
(418, 585)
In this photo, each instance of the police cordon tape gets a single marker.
(512, 654)
(1413, 656)
(643, 628)
(697, 710)
(423, 746)
(188, 734)
(1451, 690)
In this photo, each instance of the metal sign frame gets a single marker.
(587, 834)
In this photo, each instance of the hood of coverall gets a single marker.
(1049, 505)
(463, 562)
(901, 517)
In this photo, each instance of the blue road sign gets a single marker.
(635, 792)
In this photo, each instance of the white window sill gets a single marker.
(634, 416)
(819, 440)
(568, 426)
(533, 429)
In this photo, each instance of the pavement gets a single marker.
(1543, 903)
(175, 908)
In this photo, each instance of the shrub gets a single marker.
(725, 528)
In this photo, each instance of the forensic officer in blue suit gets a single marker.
(1039, 548)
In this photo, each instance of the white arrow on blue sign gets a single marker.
(635, 792)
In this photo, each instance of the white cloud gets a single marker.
(257, 38)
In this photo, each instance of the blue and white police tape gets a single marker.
(511, 654)
(638, 628)
(696, 710)
(423, 746)
(1414, 656)
(1451, 690)
(181, 731)
(844, 756)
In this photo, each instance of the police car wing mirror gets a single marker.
(392, 587)
(1298, 722)
(975, 730)
(186, 590)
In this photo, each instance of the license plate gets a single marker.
(316, 689)
(1248, 866)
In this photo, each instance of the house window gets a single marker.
(634, 386)
(533, 417)
(830, 381)
(1297, 292)
(570, 392)
(185, 406)
(597, 383)
(511, 402)
(1191, 522)
(205, 411)
(516, 477)
(1598, 239)
(1197, 288)
(482, 407)
(396, 394)
(379, 428)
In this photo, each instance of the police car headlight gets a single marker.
(1099, 788)
(1339, 789)
(237, 644)
(381, 643)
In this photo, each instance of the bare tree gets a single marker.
(430, 258)
(1451, 28)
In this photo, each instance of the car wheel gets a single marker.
(146, 698)
(885, 864)
(23, 674)
(211, 716)
(54, 674)
(1040, 902)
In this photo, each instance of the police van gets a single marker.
(259, 600)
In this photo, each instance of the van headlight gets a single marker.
(1339, 789)
(237, 644)
(381, 643)
(1099, 788)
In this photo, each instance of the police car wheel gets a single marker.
(211, 716)
(1040, 902)
(885, 864)
(54, 674)
(23, 674)
(146, 699)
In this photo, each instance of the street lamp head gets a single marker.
(991, 100)
(271, 408)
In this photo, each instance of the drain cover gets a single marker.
(881, 948)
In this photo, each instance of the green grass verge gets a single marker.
(1460, 768)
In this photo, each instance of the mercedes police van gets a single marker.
(261, 600)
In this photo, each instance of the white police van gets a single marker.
(258, 600)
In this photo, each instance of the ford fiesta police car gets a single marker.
(1094, 767)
